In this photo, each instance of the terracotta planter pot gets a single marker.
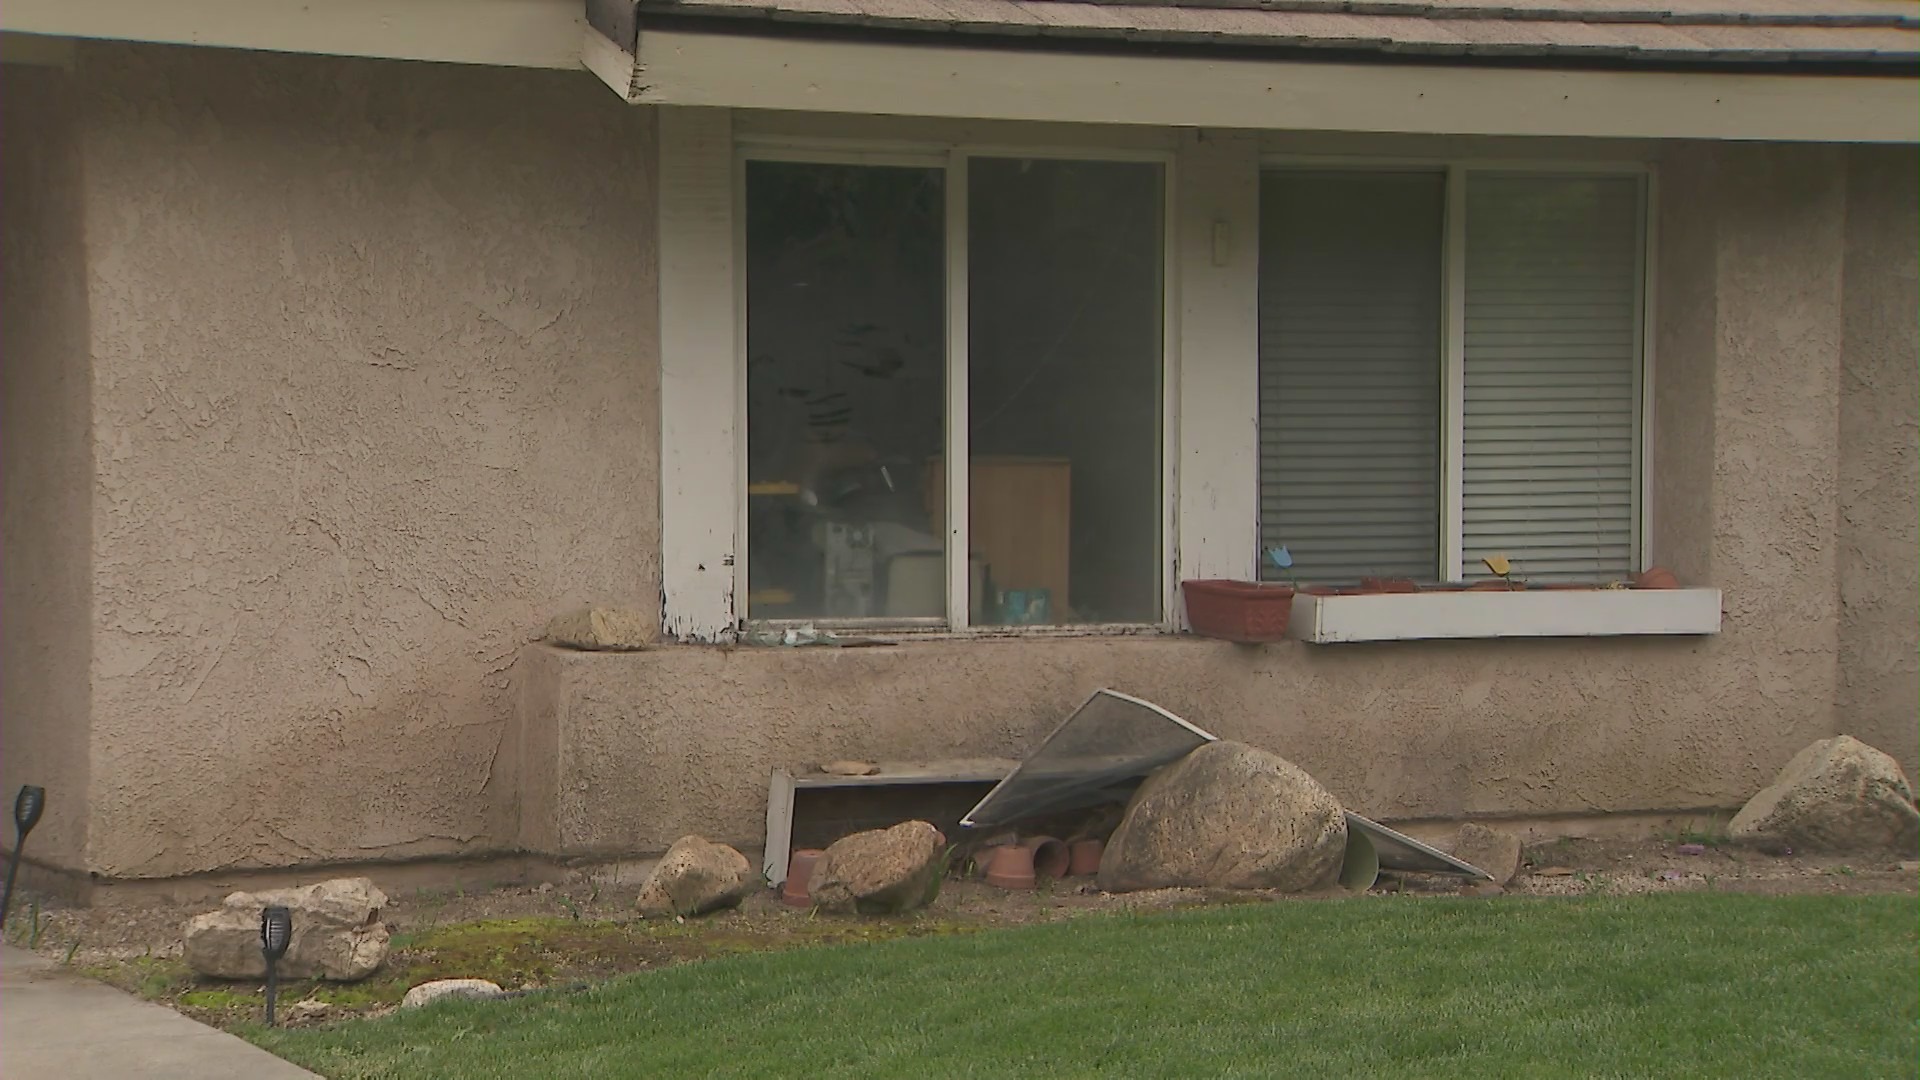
(1083, 857)
(1011, 867)
(1051, 859)
(793, 892)
(1248, 612)
(1328, 590)
(1567, 586)
(1656, 577)
(1388, 585)
(1496, 586)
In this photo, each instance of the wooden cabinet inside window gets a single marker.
(1021, 521)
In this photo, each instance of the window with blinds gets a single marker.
(1551, 374)
(1350, 302)
(1359, 472)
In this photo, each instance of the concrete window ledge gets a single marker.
(1327, 620)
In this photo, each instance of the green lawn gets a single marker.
(1673, 985)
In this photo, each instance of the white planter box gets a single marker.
(1326, 620)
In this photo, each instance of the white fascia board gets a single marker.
(500, 33)
(1327, 620)
(676, 67)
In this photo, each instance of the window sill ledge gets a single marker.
(1327, 620)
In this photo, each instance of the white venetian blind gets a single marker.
(1350, 308)
(1551, 374)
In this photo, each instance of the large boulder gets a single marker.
(880, 872)
(1837, 795)
(1227, 816)
(696, 877)
(337, 933)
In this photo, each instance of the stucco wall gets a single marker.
(1747, 458)
(1879, 466)
(375, 395)
(45, 507)
(374, 392)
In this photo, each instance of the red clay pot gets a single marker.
(1388, 585)
(1495, 585)
(1656, 577)
(1249, 612)
(1051, 859)
(1083, 857)
(1011, 867)
(794, 892)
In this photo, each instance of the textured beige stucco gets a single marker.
(45, 454)
(1879, 465)
(374, 393)
(375, 397)
(1747, 396)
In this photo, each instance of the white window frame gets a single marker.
(1453, 285)
(954, 157)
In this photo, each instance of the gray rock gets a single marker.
(697, 877)
(1836, 795)
(603, 629)
(1227, 816)
(882, 871)
(441, 989)
(337, 933)
(1494, 850)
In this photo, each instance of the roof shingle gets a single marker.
(1881, 33)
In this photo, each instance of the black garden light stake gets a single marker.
(26, 813)
(276, 933)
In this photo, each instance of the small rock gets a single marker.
(850, 768)
(881, 871)
(1672, 875)
(337, 933)
(1227, 816)
(546, 888)
(1692, 849)
(1554, 871)
(1484, 888)
(306, 1010)
(695, 877)
(1838, 794)
(603, 629)
(1908, 867)
(441, 989)
(1493, 850)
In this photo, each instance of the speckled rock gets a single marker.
(337, 933)
(1227, 816)
(1494, 850)
(882, 871)
(697, 877)
(603, 629)
(1837, 795)
(441, 989)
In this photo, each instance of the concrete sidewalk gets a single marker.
(54, 1023)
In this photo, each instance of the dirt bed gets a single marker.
(555, 938)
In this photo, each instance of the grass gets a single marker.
(1689, 984)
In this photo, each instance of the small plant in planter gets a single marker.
(1502, 568)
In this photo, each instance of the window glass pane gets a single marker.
(1350, 372)
(1551, 374)
(846, 364)
(1063, 389)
